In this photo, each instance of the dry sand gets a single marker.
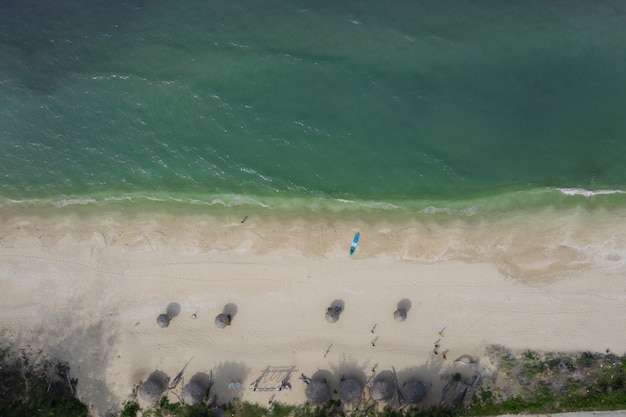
(88, 286)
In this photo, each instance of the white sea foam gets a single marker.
(466, 211)
(73, 202)
(382, 205)
(588, 193)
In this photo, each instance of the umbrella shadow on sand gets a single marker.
(230, 309)
(352, 380)
(202, 379)
(427, 374)
(173, 310)
(404, 304)
(334, 311)
(227, 381)
(402, 311)
(350, 369)
(338, 304)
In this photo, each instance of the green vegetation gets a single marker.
(130, 409)
(551, 383)
(31, 384)
(168, 409)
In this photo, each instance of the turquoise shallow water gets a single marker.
(416, 105)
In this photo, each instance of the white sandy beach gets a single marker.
(88, 288)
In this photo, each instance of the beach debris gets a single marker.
(355, 242)
(466, 360)
(395, 384)
(328, 350)
(459, 392)
(234, 385)
(453, 393)
(244, 220)
(441, 332)
(179, 376)
(163, 320)
(399, 315)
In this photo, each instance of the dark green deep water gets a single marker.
(481, 105)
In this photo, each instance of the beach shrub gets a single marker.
(530, 356)
(130, 409)
(282, 410)
(434, 412)
(244, 409)
(555, 383)
(585, 360)
(507, 363)
(31, 383)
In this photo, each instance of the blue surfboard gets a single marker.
(354, 243)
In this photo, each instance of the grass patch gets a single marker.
(553, 383)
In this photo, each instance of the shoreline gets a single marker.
(91, 286)
(535, 245)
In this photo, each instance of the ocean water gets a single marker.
(427, 106)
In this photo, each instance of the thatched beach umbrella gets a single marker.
(414, 391)
(332, 315)
(150, 391)
(163, 320)
(350, 390)
(193, 393)
(317, 391)
(382, 391)
(399, 314)
(222, 320)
